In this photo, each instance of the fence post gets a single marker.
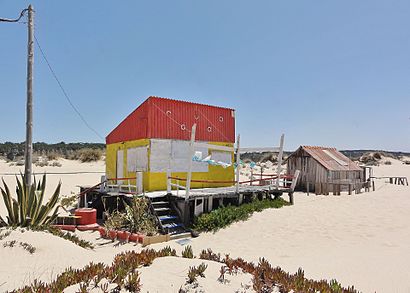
(238, 166)
(169, 188)
(280, 155)
(191, 154)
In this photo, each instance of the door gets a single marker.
(120, 166)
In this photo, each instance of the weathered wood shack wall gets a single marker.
(313, 172)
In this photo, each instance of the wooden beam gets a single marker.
(280, 155)
(260, 150)
(214, 147)
(191, 154)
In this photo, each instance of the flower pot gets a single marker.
(112, 234)
(133, 237)
(123, 235)
(103, 232)
(127, 234)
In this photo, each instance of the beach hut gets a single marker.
(323, 165)
(155, 138)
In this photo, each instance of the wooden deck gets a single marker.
(221, 192)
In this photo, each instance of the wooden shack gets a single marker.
(321, 165)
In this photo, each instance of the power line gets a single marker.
(64, 92)
(14, 20)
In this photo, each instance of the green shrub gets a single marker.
(187, 252)
(224, 216)
(139, 217)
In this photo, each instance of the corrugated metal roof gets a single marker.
(172, 119)
(331, 158)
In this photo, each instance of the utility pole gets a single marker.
(28, 152)
(29, 115)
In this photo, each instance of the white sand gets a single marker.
(69, 182)
(361, 240)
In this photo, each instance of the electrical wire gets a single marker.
(14, 20)
(64, 91)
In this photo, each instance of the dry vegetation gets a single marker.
(123, 275)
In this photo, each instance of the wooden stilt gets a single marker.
(291, 198)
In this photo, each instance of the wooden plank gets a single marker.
(294, 180)
(280, 156)
(214, 147)
(238, 161)
(191, 154)
(317, 189)
(260, 150)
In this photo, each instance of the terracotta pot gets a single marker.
(112, 234)
(123, 235)
(133, 237)
(103, 232)
(128, 234)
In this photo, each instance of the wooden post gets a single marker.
(307, 188)
(169, 187)
(191, 154)
(280, 156)
(317, 189)
(251, 183)
(29, 115)
(294, 181)
(238, 166)
(324, 188)
(291, 198)
(350, 189)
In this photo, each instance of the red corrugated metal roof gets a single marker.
(172, 119)
(331, 159)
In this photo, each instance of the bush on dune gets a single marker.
(87, 155)
(224, 216)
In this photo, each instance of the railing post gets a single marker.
(238, 166)
(191, 154)
(280, 156)
(169, 188)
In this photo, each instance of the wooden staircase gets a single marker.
(168, 219)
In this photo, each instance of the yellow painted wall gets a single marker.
(111, 158)
(157, 180)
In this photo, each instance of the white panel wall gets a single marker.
(160, 155)
(225, 157)
(137, 159)
(174, 154)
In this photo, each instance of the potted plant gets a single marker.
(112, 234)
(103, 231)
(113, 224)
(123, 235)
(134, 237)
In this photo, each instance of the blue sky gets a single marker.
(333, 73)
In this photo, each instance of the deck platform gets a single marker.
(221, 192)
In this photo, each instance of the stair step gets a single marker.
(161, 209)
(172, 225)
(180, 235)
(160, 202)
(167, 218)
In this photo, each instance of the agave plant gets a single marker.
(28, 209)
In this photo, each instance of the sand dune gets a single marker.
(360, 240)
